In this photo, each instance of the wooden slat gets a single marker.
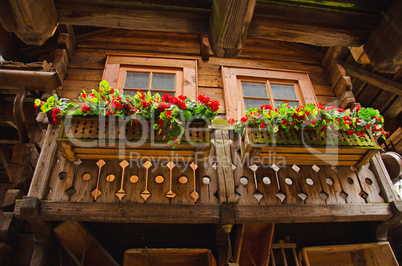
(129, 212)
(229, 22)
(300, 213)
(224, 164)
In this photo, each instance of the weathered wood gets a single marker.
(33, 80)
(184, 20)
(25, 153)
(9, 200)
(129, 212)
(366, 254)
(300, 213)
(396, 220)
(46, 160)
(66, 39)
(373, 79)
(29, 210)
(273, 29)
(387, 188)
(33, 22)
(383, 45)
(359, 55)
(228, 26)
(205, 47)
(82, 245)
(21, 175)
(256, 243)
(224, 163)
(61, 62)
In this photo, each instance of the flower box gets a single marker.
(109, 138)
(306, 147)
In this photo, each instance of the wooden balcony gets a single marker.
(220, 190)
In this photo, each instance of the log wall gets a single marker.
(86, 67)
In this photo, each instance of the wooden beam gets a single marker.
(373, 79)
(81, 245)
(383, 46)
(302, 27)
(313, 213)
(32, 21)
(138, 213)
(228, 26)
(185, 214)
(136, 16)
(291, 31)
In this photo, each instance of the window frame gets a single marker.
(117, 64)
(124, 69)
(233, 94)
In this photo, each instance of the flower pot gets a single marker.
(306, 147)
(113, 138)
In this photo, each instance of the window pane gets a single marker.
(283, 92)
(254, 90)
(129, 92)
(137, 80)
(290, 104)
(248, 103)
(163, 82)
(161, 93)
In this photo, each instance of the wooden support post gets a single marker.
(29, 211)
(396, 220)
(66, 39)
(229, 23)
(32, 21)
(46, 159)
(224, 163)
(380, 171)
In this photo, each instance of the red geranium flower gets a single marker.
(350, 132)
(231, 121)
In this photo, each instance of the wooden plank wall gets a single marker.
(86, 67)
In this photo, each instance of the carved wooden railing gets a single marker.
(220, 190)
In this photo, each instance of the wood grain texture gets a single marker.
(383, 45)
(130, 212)
(374, 79)
(300, 213)
(46, 160)
(33, 22)
(228, 26)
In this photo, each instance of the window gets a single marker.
(156, 75)
(246, 88)
(154, 80)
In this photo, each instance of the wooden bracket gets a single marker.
(382, 229)
(205, 48)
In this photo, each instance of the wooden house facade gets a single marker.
(81, 204)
